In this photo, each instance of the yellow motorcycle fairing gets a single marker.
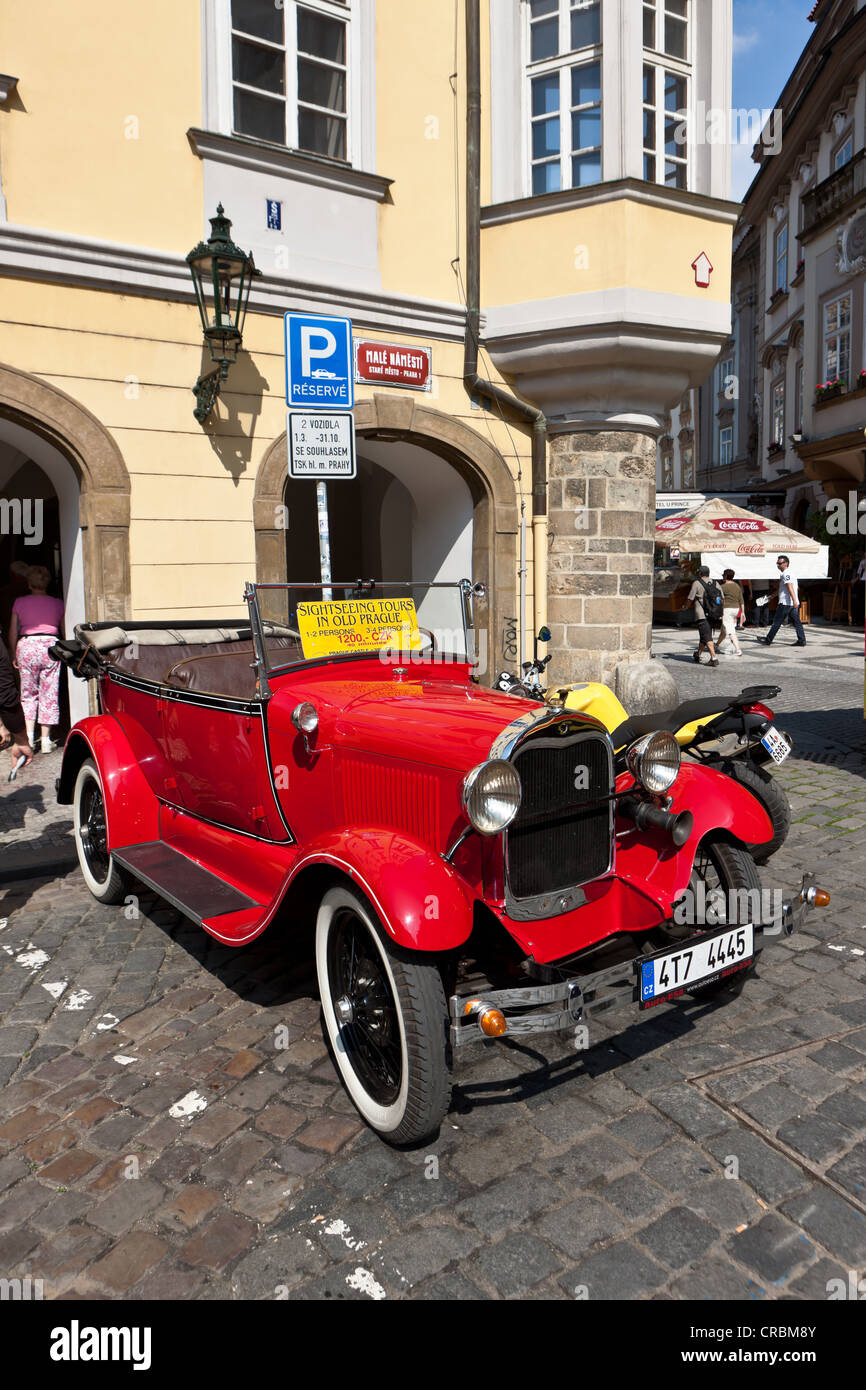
(599, 700)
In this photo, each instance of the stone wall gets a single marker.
(601, 500)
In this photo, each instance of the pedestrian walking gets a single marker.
(788, 610)
(732, 596)
(11, 713)
(759, 591)
(708, 603)
(34, 629)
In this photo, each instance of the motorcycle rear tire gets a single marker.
(772, 797)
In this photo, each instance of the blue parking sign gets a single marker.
(319, 362)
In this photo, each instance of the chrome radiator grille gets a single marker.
(562, 835)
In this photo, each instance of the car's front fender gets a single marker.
(131, 809)
(421, 901)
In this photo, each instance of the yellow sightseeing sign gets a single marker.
(358, 625)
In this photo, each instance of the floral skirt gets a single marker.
(40, 678)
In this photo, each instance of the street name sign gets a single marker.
(321, 444)
(319, 362)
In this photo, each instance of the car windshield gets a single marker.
(398, 620)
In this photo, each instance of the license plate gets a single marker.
(700, 960)
(776, 744)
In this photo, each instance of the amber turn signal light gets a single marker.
(822, 897)
(492, 1023)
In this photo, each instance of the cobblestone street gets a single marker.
(172, 1127)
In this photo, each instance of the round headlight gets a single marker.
(491, 795)
(654, 761)
(305, 718)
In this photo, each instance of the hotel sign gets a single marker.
(393, 364)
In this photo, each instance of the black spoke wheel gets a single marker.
(386, 1019)
(106, 881)
(368, 1011)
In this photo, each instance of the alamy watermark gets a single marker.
(22, 517)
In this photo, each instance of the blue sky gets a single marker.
(769, 36)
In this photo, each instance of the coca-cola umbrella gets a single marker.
(731, 537)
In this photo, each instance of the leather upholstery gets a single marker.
(220, 668)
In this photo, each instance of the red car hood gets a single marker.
(428, 717)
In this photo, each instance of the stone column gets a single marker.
(601, 494)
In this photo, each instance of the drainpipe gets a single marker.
(475, 384)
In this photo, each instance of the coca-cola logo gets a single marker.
(735, 523)
(750, 548)
(672, 523)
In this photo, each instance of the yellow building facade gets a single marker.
(345, 122)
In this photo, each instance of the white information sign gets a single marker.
(321, 444)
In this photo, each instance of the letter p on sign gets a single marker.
(308, 351)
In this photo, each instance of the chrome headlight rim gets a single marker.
(479, 790)
(654, 760)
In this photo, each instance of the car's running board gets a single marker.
(186, 885)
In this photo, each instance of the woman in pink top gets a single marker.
(35, 626)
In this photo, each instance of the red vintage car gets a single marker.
(479, 866)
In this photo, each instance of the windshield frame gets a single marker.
(358, 589)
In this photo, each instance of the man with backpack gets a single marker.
(709, 610)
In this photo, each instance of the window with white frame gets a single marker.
(780, 281)
(837, 338)
(726, 376)
(843, 152)
(290, 73)
(777, 425)
(665, 126)
(666, 27)
(726, 446)
(564, 76)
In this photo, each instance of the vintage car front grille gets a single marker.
(562, 835)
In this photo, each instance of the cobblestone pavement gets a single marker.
(171, 1125)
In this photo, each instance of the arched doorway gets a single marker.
(431, 494)
(50, 443)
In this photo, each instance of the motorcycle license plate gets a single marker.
(700, 960)
(776, 745)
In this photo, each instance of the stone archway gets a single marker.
(492, 487)
(37, 407)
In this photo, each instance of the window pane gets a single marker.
(260, 116)
(545, 94)
(259, 17)
(321, 86)
(649, 28)
(585, 168)
(675, 137)
(676, 35)
(545, 39)
(541, 7)
(649, 84)
(586, 84)
(679, 7)
(675, 92)
(585, 130)
(321, 134)
(585, 26)
(649, 168)
(258, 67)
(322, 37)
(545, 138)
(675, 175)
(545, 178)
(649, 130)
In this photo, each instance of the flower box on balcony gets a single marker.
(799, 273)
(829, 390)
(774, 449)
(776, 298)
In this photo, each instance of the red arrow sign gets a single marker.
(703, 268)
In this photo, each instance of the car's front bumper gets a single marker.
(527, 1008)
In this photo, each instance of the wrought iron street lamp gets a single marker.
(224, 273)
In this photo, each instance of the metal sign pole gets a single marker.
(324, 538)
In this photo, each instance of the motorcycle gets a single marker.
(735, 734)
